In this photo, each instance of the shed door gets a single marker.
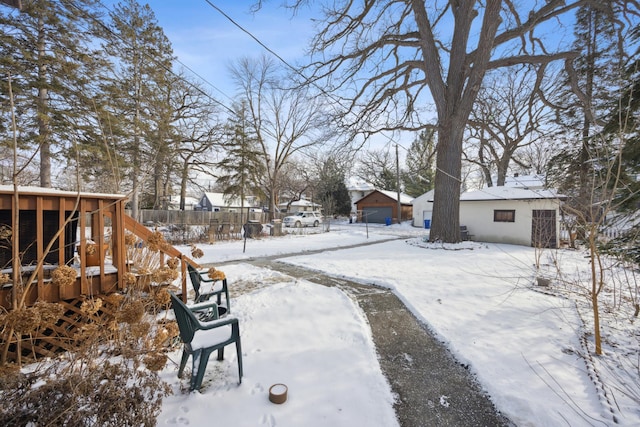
(376, 214)
(543, 229)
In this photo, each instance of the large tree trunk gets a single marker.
(43, 114)
(445, 221)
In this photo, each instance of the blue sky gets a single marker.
(207, 42)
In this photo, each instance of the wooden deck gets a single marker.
(53, 228)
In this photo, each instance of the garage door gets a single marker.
(376, 214)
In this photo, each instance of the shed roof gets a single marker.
(405, 199)
(509, 193)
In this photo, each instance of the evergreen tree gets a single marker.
(420, 173)
(241, 170)
(623, 128)
(332, 190)
(46, 48)
(590, 89)
(140, 96)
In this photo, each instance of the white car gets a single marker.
(303, 219)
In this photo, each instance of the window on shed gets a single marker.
(502, 215)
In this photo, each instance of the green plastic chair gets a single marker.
(203, 338)
(217, 290)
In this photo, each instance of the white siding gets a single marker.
(422, 208)
(477, 215)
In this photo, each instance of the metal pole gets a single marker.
(398, 185)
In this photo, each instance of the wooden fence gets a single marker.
(149, 216)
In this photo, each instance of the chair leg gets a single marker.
(200, 359)
(221, 354)
(239, 351)
(183, 363)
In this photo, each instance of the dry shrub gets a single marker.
(173, 263)
(50, 312)
(162, 298)
(164, 275)
(196, 252)
(4, 278)
(91, 306)
(130, 239)
(114, 299)
(24, 321)
(140, 330)
(63, 276)
(155, 361)
(156, 242)
(105, 394)
(215, 274)
(172, 329)
(111, 375)
(91, 249)
(130, 279)
(131, 312)
(5, 232)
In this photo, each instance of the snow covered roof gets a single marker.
(525, 181)
(301, 203)
(54, 192)
(219, 199)
(404, 198)
(357, 184)
(428, 196)
(509, 193)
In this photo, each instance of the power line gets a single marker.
(175, 59)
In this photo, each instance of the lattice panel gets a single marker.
(52, 340)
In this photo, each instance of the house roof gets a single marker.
(525, 181)
(219, 199)
(356, 184)
(509, 193)
(405, 199)
(301, 203)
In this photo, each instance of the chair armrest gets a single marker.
(202, 305)
(218, 322)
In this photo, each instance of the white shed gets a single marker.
(422, 209)
(512, 215)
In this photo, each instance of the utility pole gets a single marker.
(398, 185)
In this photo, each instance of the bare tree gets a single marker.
(378, 168)
(286, 120)
(297, 180)
(506, 117)
(196, 125)
(386, 58)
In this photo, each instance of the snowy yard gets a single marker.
(530, 347)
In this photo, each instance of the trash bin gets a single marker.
(387, 221)
(427, 223)
(276, 227)
(252, 229)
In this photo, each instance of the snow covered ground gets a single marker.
(530, 346)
